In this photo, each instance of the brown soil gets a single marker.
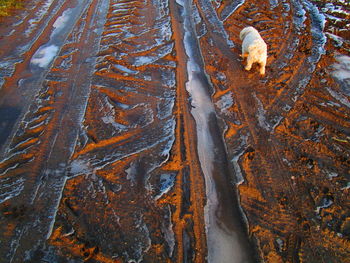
(98, 149)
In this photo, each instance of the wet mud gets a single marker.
(130, 132)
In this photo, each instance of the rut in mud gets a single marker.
(130, 132)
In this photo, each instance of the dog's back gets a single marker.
(258, 50)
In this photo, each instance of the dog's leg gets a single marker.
(262, 67)
(249, 63)
(262, 71)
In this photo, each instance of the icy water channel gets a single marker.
(226, 239)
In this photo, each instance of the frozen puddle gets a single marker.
(44, 55)
(224, 245)
(47, 52)
(62, 20)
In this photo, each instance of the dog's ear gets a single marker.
(243, 33)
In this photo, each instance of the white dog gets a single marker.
(254, 48)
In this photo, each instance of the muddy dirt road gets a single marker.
(130, 132)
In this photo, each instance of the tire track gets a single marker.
(35, 13)
(43, 174)
(20, 87)
(121, 159)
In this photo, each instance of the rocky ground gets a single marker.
(130, 132)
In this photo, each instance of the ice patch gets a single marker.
(168, 78)
(165, 31)
(140, 61)
(286, 7)
(299, 15)
(346, 187)
(236, 156)
(180, 2)
(338, 40)
(169, 127)
(325, 203)
(223, 244)
(126, 70)
(169, 233)
(196, 16)
(44, 55)
(62, 20)
(161, 52)
(332, 175)
(80, 167)
(116, 126)
(131, 173)
(231, 8)
(165, 108)
(10, 189)
(225, 102)
(340, 97)
(215, 23)
(32, 25)
(221, 76)
(330, 7)
(109, 116)
(261, 115)
(273, 4)
(38, 16)
(341, 70)
(318, 21)
(162, 8)
(166, 182)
